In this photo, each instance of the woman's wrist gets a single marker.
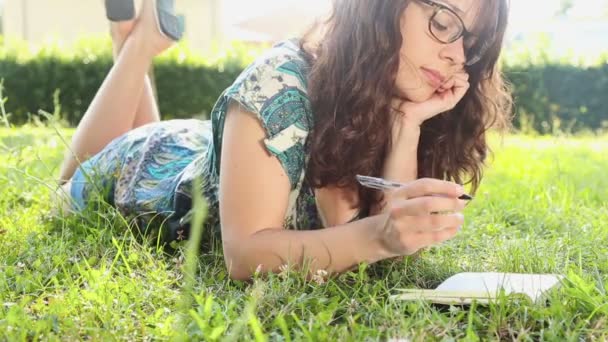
(401, 164)
(407, 131)
(379, 246)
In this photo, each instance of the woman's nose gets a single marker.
(454, 52)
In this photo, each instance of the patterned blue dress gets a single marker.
(149, 172)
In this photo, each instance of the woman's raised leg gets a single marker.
(147, 110)
(114, 108)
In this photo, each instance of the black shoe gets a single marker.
(120, 10)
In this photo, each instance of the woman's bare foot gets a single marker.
(147, 31)
(120, 30)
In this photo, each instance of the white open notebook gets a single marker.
(463, 288)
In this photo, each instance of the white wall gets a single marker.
(38, 20)
(204, 26)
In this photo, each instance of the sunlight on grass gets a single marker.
(541, 208)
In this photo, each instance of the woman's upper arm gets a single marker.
(254, 187)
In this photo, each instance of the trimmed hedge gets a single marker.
(550, 96)
(187, 84)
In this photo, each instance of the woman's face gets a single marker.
(425, 63)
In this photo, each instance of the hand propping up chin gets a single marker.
(444, 99)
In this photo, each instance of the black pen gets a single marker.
(383, 184)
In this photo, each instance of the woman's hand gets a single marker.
(423, 213)
(444, 99)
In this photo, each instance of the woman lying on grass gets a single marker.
(403, 90)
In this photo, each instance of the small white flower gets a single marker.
(320, 277)
(283, 271)
(258, 270)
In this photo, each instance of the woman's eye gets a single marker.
(439, 26)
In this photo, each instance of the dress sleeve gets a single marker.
(274, 89)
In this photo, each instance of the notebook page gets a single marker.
(489, 284)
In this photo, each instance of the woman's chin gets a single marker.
(420, 95)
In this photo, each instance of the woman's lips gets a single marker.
(434, 78)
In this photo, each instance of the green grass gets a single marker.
(541, 208)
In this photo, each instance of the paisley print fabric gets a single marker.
(151, 170)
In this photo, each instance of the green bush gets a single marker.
(187, 84)
(553, 98)
(550, 95)
(557, 93)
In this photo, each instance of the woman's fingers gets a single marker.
(459, 81)
(427, 187)
(419, 240)
(425, 205)
(447, 85)
(427, 223)
(411, 222)
(451, 82)
(460, 88)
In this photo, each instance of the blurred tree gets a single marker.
(564, 7)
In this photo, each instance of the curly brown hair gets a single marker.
(351, 85)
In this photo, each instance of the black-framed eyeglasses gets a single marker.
(446, 26)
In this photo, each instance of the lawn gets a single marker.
(542, 208)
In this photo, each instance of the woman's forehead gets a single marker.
(468, 10)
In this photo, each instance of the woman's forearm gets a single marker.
(402, 162)
(401, 166)
(335, 249)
